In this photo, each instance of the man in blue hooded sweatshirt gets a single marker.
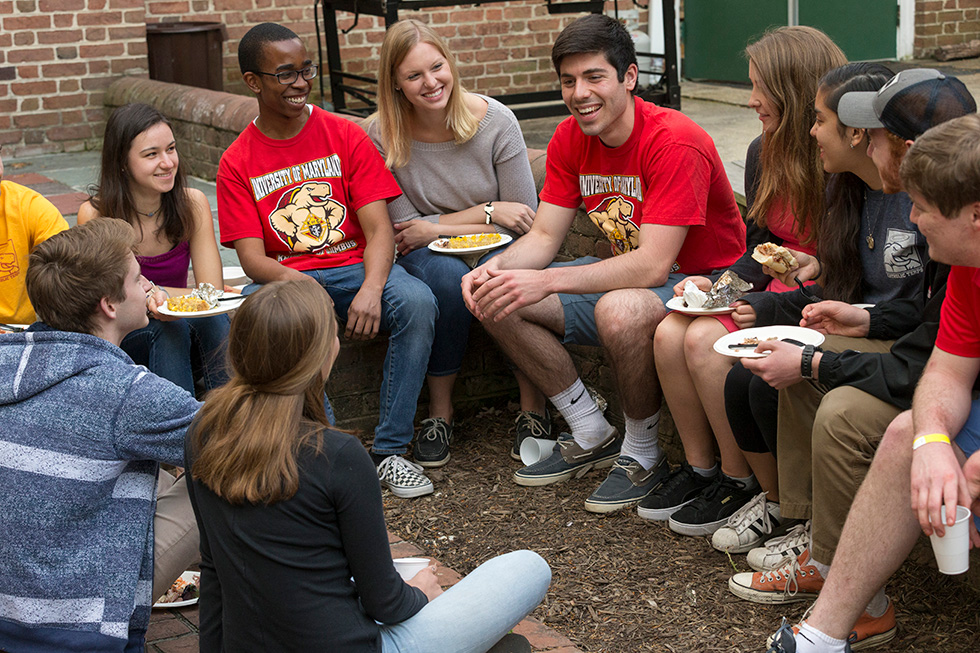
(83, 430)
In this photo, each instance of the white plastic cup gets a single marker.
(953, 549)
(408, 567)
(535, 450)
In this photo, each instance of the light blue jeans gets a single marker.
(408, 313)
(472, 615)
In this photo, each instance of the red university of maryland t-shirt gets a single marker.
(301, 195)
(959, 321)
(668, 172)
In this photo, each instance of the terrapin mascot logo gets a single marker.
(8, 261)
(307, 220)
(612, 216)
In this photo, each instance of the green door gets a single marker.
(864, 30)
(717, 31)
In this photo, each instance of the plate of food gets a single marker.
(204, 301)
(742, 344)
(185, 591)
(678, 304)
(469, 244)
(13, 328)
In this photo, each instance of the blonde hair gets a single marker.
(249, 432)
(790, 61)
(393, 114)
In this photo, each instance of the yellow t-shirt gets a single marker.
(26, 219)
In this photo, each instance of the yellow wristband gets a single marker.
(926, 439)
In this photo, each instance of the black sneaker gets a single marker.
(712, 508)
(432, 446)
(679, 489)
(530, 425)
(628, 482)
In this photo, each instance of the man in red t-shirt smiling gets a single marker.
(652, 181)
(302, 194)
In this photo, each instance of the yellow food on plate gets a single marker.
(187, 304)
(476, 240)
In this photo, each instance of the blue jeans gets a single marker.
(472, 615)
(183, 350)
(408, 313)
(443, 274)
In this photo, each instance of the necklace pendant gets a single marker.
(871, 242)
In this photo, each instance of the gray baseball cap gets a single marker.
(908, 104)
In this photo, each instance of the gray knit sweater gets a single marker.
(82, 431)
(445, 177)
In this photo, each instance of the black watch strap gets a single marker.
(806, 362)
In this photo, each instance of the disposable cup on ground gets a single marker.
(953, 549)
(408, 567)
(535, 449)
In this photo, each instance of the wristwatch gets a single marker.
(806, 362)
(488, 209)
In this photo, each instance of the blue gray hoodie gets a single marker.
(82, 430)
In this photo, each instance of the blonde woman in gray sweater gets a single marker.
(462, 165)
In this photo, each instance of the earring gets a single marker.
(852, 146)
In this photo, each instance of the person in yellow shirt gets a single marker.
(26, 219)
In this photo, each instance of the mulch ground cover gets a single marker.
(623, 584)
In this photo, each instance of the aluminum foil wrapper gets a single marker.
(729, 288)
(207, 292)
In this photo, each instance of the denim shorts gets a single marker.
(579, 310)
(968, 439)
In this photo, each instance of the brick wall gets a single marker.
(945, 22)
(58, 56)
(56, 59)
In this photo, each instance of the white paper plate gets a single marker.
(189, 577)
(438, 245)
(677, 304)
(222, 307)
(779, 331)
(16, 326)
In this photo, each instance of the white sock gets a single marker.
(709, 472)
(642, 443)
(748, 482)
(878, 605)
(811, 640)
(576, 405)
(821, 567)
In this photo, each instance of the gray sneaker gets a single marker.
(628, 482)
(569, 460)
(432, 446)
(530, 425)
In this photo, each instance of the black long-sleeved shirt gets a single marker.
(277, 577)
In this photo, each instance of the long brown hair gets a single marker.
(790, 60)
(838, 243)
(394, 110)
(113, 198)
(249, 432)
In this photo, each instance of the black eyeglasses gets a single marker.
(287, 77)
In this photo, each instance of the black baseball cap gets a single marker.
(908, 104)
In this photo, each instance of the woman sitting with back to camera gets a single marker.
(295, 554)
(141, 182)
(462, 165)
